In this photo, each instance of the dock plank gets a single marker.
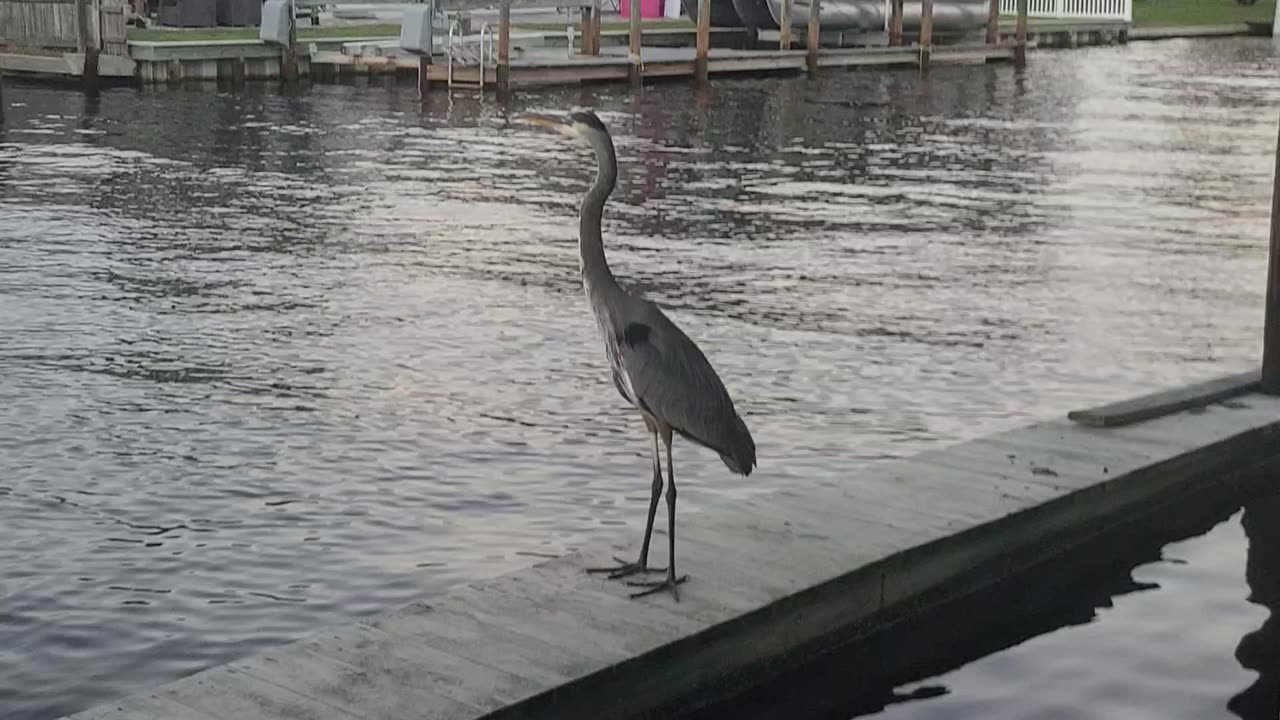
(142, 707)
(224, 692)
(1169, 401)
(775, 577)
(380, 686)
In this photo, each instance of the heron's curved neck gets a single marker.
(595, 269)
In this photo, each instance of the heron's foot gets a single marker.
(654, 587)
(624, 569)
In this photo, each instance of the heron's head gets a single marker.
(576, 124)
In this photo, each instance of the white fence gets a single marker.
(1075, 9)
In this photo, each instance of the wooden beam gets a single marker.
(895, 23)
(1167, 402)
(784, 27)
(926, 33)
(704, 39)
(633, 34)
(1020, 52)
(1271, 330)
(993, 23)
(504, 47)
(815, 36)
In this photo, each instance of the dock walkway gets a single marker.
(774, 580)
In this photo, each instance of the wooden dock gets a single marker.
(552, 67)
(775, 580)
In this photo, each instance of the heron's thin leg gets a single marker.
(624, 568)
(672, 581)
(653, 503)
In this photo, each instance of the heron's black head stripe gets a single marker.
(589, 119)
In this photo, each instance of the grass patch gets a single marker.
(305, 32)
(1169, 13)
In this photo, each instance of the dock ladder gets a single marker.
(460, 52)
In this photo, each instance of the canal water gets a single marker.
(270, 362)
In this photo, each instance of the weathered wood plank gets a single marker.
(1168, 401)
(484, 643)
(142, 707)
(381, 688)
(224, 692)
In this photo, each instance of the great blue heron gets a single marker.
(656, 367)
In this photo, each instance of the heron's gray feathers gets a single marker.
(673, 381)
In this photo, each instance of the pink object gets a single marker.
(648, 8)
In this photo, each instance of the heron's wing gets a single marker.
(674, 382)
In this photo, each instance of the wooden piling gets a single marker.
(504, 47)
(993, 23)
(289, 55)
(289, 63)
(704, 39)
(895, 23)
(424, 75)
(784, 27)
(815, 11)
(591, 29)
(633, 51)
(1020, 52)
(88, 45)
(926, 33)
(1271, 331)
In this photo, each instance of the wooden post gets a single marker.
(504, 47)
(633, 52)
(895, 23)
(784, 27)
(815, 10)
(88, 46)
(1271, 331)
(424, 75)
(289, 56)
(1020, 52)
(584, 29)
(926, 33)
(704, 38)
(595, 27)
(993, 23)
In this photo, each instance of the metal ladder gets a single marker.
(459, 53)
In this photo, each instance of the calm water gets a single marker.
(1192, 634)
(271, 362)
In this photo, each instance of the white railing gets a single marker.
(1075, 9)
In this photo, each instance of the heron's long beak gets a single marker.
(549, 122)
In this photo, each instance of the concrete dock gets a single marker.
(775, 580)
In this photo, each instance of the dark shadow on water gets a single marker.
(866, 677)
(1260, 650)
